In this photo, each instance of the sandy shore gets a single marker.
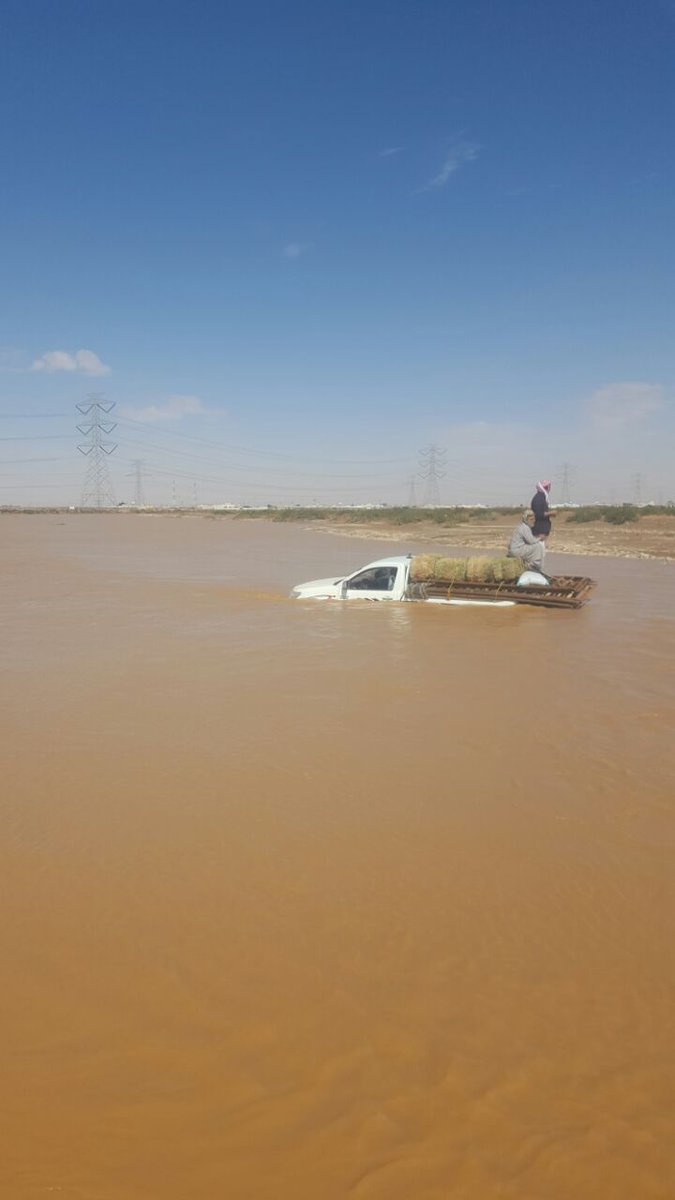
(650, 537)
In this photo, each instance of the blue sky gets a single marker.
(295, 243)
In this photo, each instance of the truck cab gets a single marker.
(385, 579)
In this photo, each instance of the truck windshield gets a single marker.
(374, 579)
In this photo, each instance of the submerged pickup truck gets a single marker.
(395, 578)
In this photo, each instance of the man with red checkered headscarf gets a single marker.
(541, 510)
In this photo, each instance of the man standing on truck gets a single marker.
(541, 509)
(525, 545)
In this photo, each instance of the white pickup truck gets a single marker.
(389, 579)
(386, 579)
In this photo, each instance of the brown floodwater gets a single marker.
(309, 901)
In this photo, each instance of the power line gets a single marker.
(190, 437)
(143, 425)
(258, 485)
(13, 487)
(228, 466)
(10, 462)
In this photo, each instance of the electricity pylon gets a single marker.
(432, 468)
(566, 477)
(137, 474)
(98, 487)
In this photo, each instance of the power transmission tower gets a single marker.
(138, 475)
(566, 477)
(636, 481)
(412, 493)
(97, 488)
(432, 468)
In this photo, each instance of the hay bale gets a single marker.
(422, 568)
(450, 570)
(513, 569)
(505, 570)
(478, 570)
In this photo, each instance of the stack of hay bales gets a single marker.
(427, 568)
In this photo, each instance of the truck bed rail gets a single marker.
(564, 591)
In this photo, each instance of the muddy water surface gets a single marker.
(322, 901)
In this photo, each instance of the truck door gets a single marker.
(373, 583)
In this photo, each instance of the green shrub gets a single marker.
(449, 516)
(659, 510)
(588, 512)
(621, 514)
(399, 516)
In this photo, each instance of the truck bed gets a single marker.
(564, 591)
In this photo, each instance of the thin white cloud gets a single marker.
(617, 406)
(83, 362)
(174, 408)
(89, 363)
(390, 151)
(296, 249)
(459, 154)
